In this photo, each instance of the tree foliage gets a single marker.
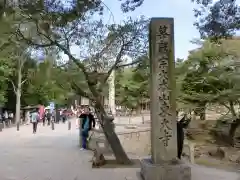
(102, 48)
(212, 77)
(219, 19)
(132, 84)
(210, 74)
(214, 19)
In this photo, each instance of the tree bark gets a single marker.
(111, 136)
(142, 115)
(234, 125)
(18, 99)
(203, 113)
(57, 113)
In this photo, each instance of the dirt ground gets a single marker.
(208, 150)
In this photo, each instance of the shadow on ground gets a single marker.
(111, 163)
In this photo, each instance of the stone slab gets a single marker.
(165, 171)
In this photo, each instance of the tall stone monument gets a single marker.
(163, 164)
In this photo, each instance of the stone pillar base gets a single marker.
(165, 171)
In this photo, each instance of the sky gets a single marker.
(180, 10)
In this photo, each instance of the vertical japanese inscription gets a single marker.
(162, 52)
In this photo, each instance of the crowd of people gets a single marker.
(6, 117)
(48, 116)
(84, 119)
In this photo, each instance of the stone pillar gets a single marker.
(85, 101)
(111, 95)
(162, 96)
(163, 164)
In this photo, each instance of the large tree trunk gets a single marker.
(111, 136)
(57, 113)
(234, 125)
(203, 113)
(18, 100)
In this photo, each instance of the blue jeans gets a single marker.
(84, 139)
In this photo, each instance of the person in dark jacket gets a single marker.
(48, 116)
(181, 125)
(87, 122)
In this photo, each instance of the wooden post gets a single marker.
(69, 124)
(1, 127)
(52, 124)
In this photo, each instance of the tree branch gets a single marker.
(30, 42)
(71, 57)
(23, 81)
(226, 106)
(14, 87)
(53, 43)
(129, 64)
(118, 59)
(80, 91)
(67, 40)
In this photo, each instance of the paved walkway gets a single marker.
(54, 155)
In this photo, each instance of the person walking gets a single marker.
(6, 119)
(10, 117)
(64, 116)
(35, 119)
(48, 116)
(43, 118)
(87, 122)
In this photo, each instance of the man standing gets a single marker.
(34, 118)
(48, 117)
(88, 122)
(181, 125)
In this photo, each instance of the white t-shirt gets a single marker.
(6, 114)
